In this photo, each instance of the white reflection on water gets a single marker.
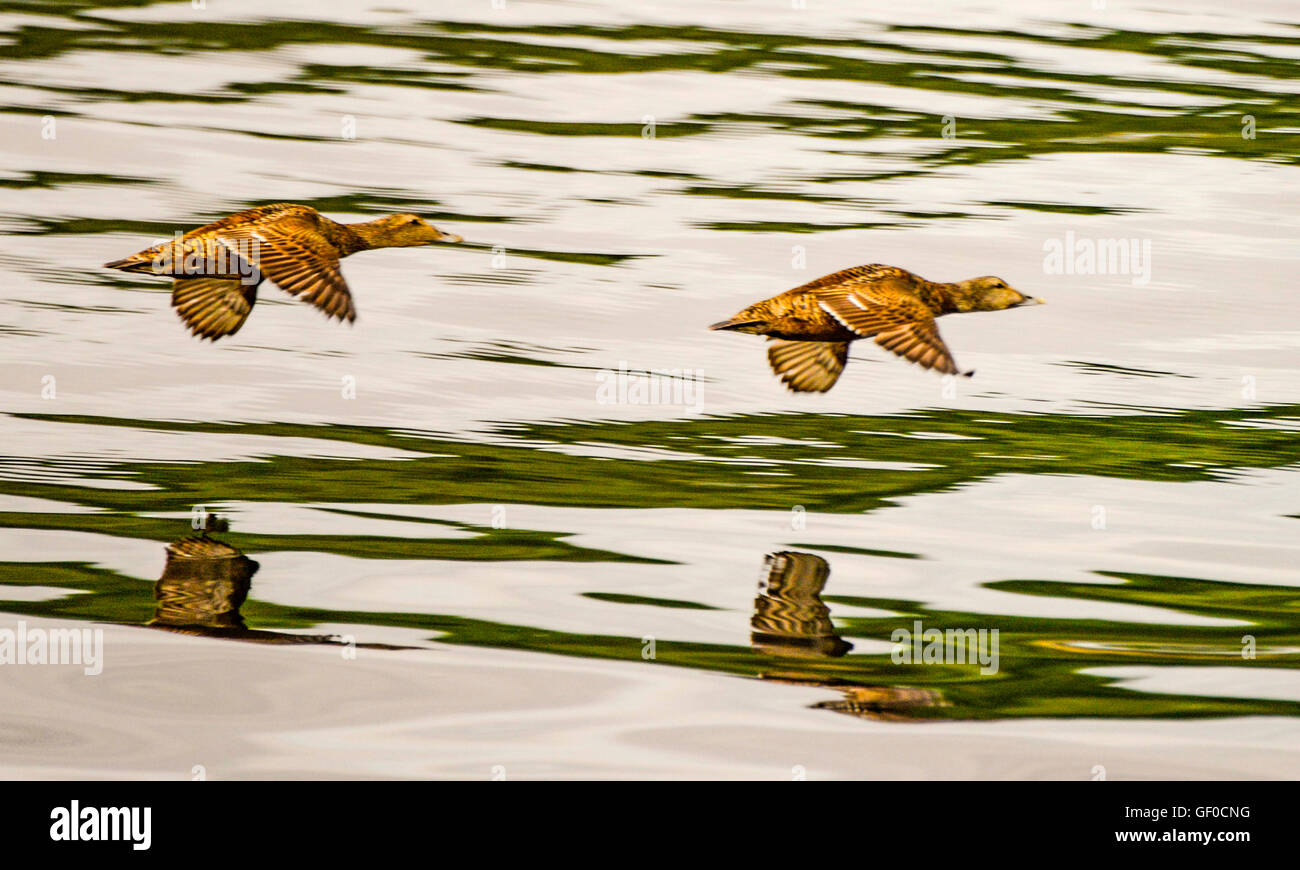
(686, 228)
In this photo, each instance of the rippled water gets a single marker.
(457, 491)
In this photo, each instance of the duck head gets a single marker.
(402, 231)
(990, 293)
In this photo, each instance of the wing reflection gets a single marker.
(204, 584)
(789, 616)
(791, 621)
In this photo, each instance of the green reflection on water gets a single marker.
(1213, 83)
(1042, 659)
(526, 463)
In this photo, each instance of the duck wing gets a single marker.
(919, 342)
(894, 317)
(259, 214)
(213, 307)
(187, 255)
(291, 250)
(808, 366)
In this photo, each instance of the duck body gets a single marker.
(811, 326)
(218, 267)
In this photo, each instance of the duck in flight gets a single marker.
(217, 268)
(809, 328)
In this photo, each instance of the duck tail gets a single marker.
(734, 323)
(133, 263)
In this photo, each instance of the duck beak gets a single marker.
(448, 237)
(1033, 300)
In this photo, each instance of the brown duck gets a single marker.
(809, 328)
(218, 267)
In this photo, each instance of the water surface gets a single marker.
(447, 489)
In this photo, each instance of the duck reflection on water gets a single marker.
(204, 584)
(792, 622)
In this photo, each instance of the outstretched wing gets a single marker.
(895, 318)
(808, 366)
(213, 307)
(195, 253)
(292, 252)
(919, 342)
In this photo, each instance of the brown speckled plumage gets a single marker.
(218, 267)
(811, 326)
